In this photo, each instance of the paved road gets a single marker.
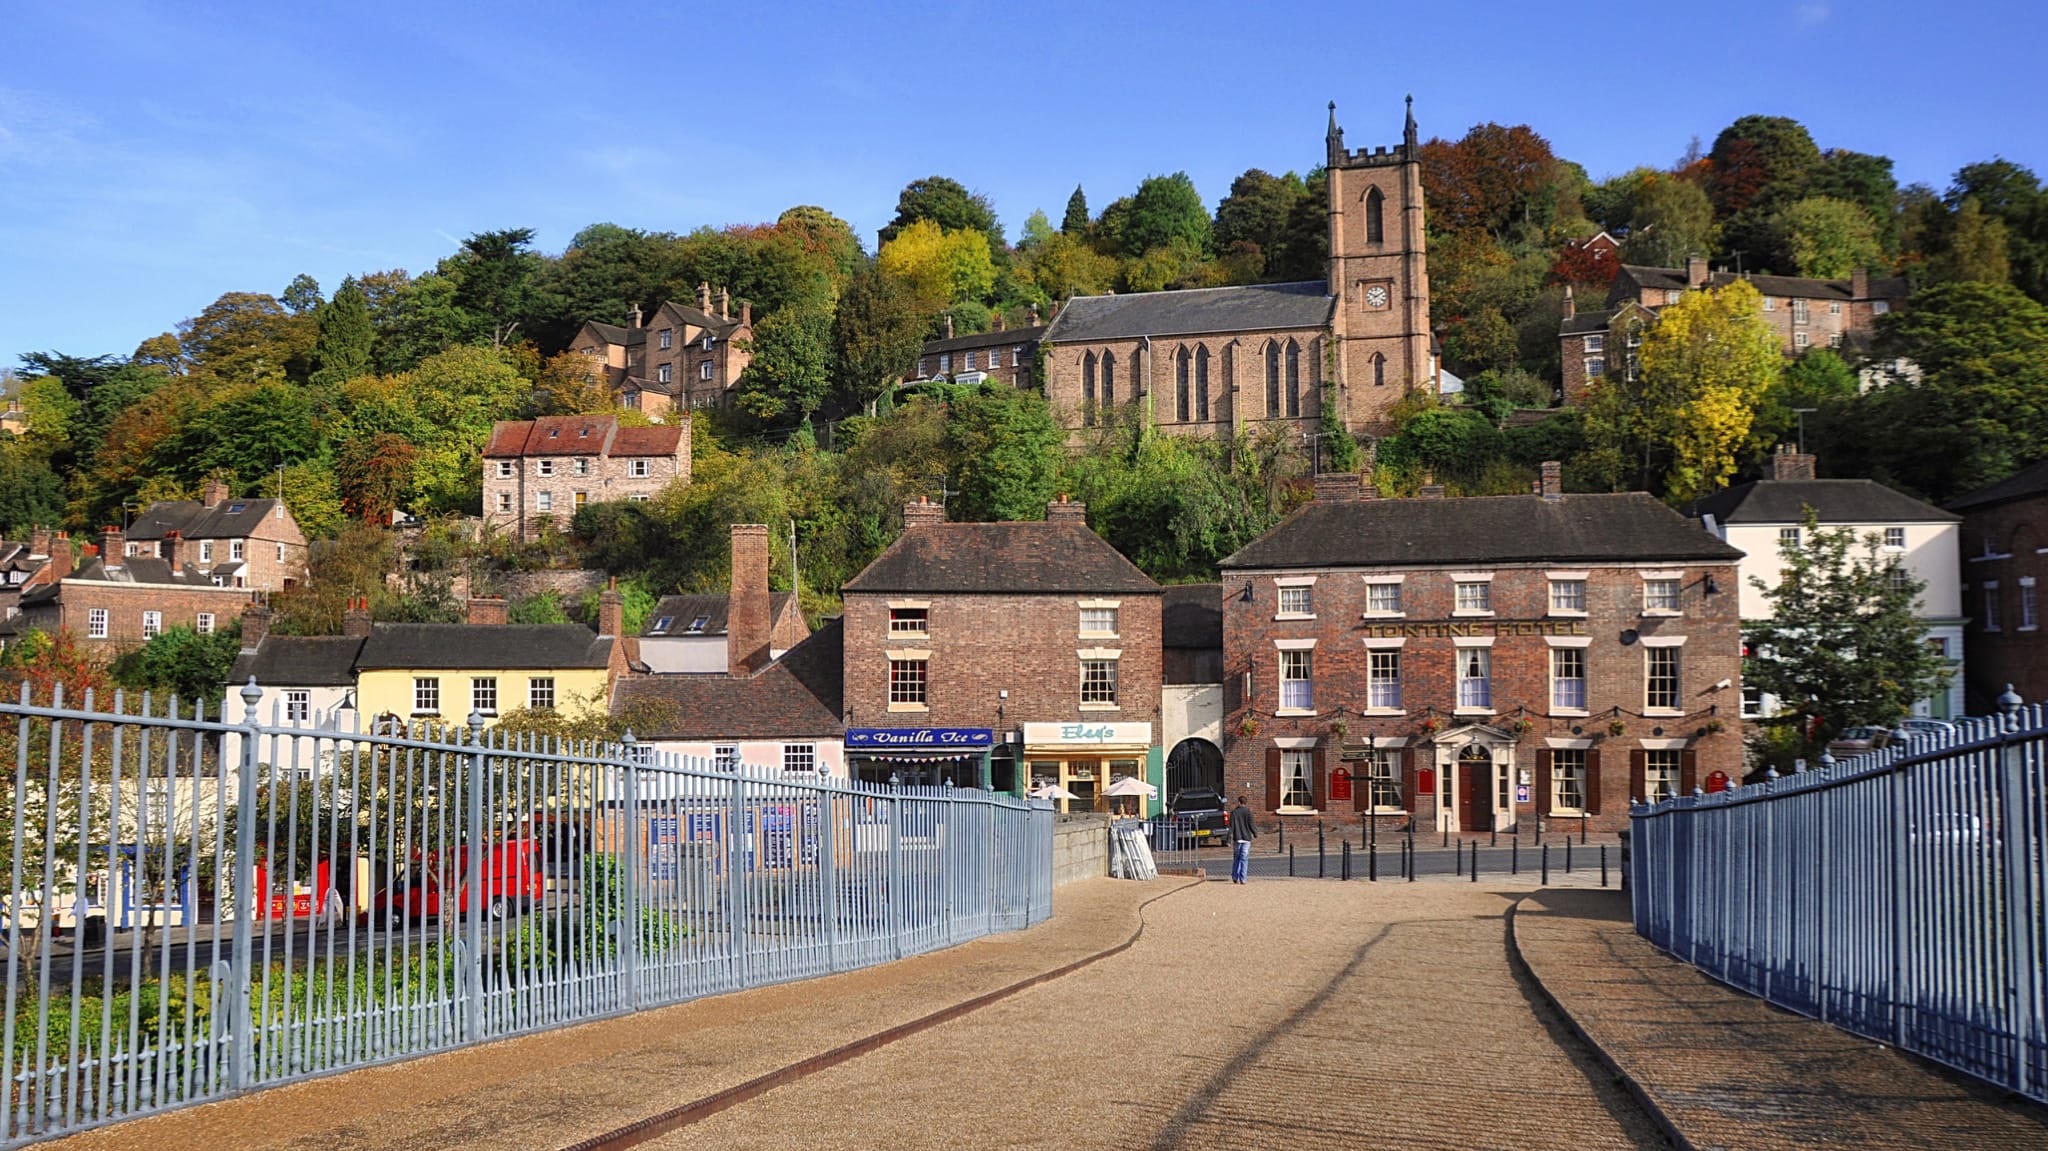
(1284, 1014)
(1502, 859)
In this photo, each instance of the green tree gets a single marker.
(2013, 195)
(1075, 222)
(1758, 164)
(947, 203)
(791, 367)
(941, 267)
(1978, 247)
(31, 493)
(1844, 645)
(243, 337)
(1007, 449)
(1827, 238)
(1255, 216)
(1864, 180)
(1669, 219)
(877, 331)
(1173, 505)
(342, 351)
(1166, 209)
(494, 280)
(302, 295)
(179, 661)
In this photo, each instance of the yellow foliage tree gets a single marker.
(939, 266)
(1706, 365)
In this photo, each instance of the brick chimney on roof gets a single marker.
(921, 512)
(60, 557)
(1064, 510)
(355, 619)
(746, 313)
(167, 548)
(213, 491)
(39, 543)
(1859, 284)
(113, 546)
(485, 610)
(1789, 464)
(255, 625)
(949, 325)
(724, 304)
(1551, 486)
(611, 610)
(1338, 487)
(636, 315)
(747, 622)
(704, 297)
(1571, 307)
(1695, 271)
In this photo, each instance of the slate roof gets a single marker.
(682, 610)
(1586, 323)
(150, 570)
(1191, 615)
(1835, 501)
(299, 661)
(1627, 527)
(461, 646)
(1035, 557)
(2030, 481)
(1196, 311)
(195, 521)
(579, 436)
(798, 696)
(1666, 279)
(985, 340)
(690, 314)
(615, 334)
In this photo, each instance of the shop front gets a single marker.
(920, 756)
(1087, 758)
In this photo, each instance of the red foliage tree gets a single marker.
(1487, 179)
(1585, 262)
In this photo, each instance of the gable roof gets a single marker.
(1673, 279)
(614, 334)
(1626, 527)
(1195, 311)
(697, 317)
(299, 661)
(682, 610)
(552, 436)
(984, 340)
(654, 440)
(149, 570)
(230, 519)
(461, 646)
(1834, 501)
(797, 696)
(1027, 557)
(1191, 616)
(2029, 481)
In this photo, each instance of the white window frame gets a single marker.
(1475, 692)
(1100, 620)
(505, 501)
(234, 550)
(1568, 692)
(540, 693)
(1568, 595)
(280, 553)
(426, 695)
(1596, 343)
(967, 364)
(1297, 781)
(1596, 366)
(504, 469)
(910, 620)
(152, 624)
(96, 623)
(704, 370)
(205, 551)
(580, 466)
(544, 467)
(1471, 597)
(1663, 772)
(664, 373)
(1092, 696)
(909, 680)
(1562, 771)
(725, 756)
(1770, 303)
(543, 501)
(1673, 679)
(1788, 536)
(202, 623)
(1295, 601)
(1799, 339)
(636, 469)
(1296, 676)
(667, 338)
(1383, 590)
(1383, 680)
(1663, 593)
(298, 705)
(1895, 539)
(483, 694)
(1381, 769)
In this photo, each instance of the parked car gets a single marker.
(1949, 827)
(512, 884)
(1917, 726)
(1858, 740)
(1201, 816)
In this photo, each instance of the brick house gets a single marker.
(238, 542)
(682, 358)
(538, 472)
(1804, 312)
(1037, 641)
(307, 679)
(1005, 356)
(2005, 552)
(1479, 664)
(1214, 361)
(116, 600)
(29, 563)
(1759, 516)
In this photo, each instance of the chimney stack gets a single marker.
(1064, 510)
(949, 325)
(747, 622)
(485, 610)
(1695, 271)
(213, 491)
(611, 610)
(255, 625)
(922, 513)
(999, 325)
(1034, 315)
(39, 543)
(1430, 489)
(1571, 307)
(1788, 464)
(113, 546)
(636, 315)
(704, 297)
(168, 548)
(1339, 487)
(60, 558)
(746, 313)
(724, 304)
(1551, 486)
(1859, 284)
(355, 619)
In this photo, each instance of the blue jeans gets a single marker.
(1240, 860)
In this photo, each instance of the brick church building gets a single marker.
(1216, 361)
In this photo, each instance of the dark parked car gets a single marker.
(1201, 816)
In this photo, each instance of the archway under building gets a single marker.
(1193, 763)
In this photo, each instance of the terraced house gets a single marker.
(682, 358)
(538, 472)
(1480, 664)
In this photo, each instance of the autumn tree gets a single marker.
(1758, 165)
(569, 384)
(947, 203)
(1493, 178)
(374, 473)
(939, 266)
(1826, 238)
(1978, 247)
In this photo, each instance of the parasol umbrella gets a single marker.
(1052, 791)
(1132, 785)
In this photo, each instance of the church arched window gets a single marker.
(1182, 396)
(1293, 378)
(1088, 389)
(1379, 369)
(1109, 379)
(1375, 224)
(1202, 383)
(1272, 377)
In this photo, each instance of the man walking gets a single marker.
(1241, 835)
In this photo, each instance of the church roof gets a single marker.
(1196, 311)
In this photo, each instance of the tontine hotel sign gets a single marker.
(1459, 629)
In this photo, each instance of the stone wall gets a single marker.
(1080, 848)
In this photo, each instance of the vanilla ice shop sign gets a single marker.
(920, 738)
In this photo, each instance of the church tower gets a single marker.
(1378, 276)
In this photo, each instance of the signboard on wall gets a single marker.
(919, 737)
(1085, 735)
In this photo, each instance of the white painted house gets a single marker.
(1762, 516)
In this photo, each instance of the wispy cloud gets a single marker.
(1813, 15)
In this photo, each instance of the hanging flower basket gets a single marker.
(1432, 725)
(1617, 728)
(1522, 727)
(1248, 726)
(1339, 728)
(1715, 725)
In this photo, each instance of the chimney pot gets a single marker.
(488, 610)
(746, 313)
(724, 304)
(1065, 510)
(923, 513)
(213, 491)
(355, 620)
(1571, 307)
(611, 611)
(747, 622)
(704, 297)
(1338, 487)
(113, 546)
(636, 316)
(1551, 486)
(168, 548)
(1790, 464)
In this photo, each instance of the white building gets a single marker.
(785, 717)
(1762, 516)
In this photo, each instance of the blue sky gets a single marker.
(155, 156)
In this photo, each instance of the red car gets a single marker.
(511, 884)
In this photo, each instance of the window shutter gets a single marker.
(1638, 761)
(1593, 781)
(1408, 795)
(1272, 779)
(1543, 760)
(1318, 782)
(1688, 771)
(1361, 784)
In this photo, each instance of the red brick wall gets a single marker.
(1520, 673)
(1993, 659)
(983, 644)
(125, 604)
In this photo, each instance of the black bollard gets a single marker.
(1372, 863)
(1546, 865)
(1475, 863)
(1345, 872)
(1460, 865)
(1493, 837)
(1447, 835)
(1319, 854)
(1567, 855)
(1603, 865)
(1515, 855)
(1411, 862)
(1582, 824)
(1290, 863)
(1280, 844)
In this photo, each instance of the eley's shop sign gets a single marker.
(920, 737)
(1088, 735)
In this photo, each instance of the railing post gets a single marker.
(241, 1012)
(739, 865)
(635, 828)
(893, 898)
(828, 871)
(476, 842)
(1901, 868)
(2017, 834)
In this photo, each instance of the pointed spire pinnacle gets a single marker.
(1333, 118)
(1408, 132)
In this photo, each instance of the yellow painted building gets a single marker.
(432, 673)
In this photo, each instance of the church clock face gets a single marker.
(1376, 296)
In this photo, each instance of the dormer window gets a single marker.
(554, 433)
(661, 625)
(236, 509)
(698, 624)
(708, 339)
